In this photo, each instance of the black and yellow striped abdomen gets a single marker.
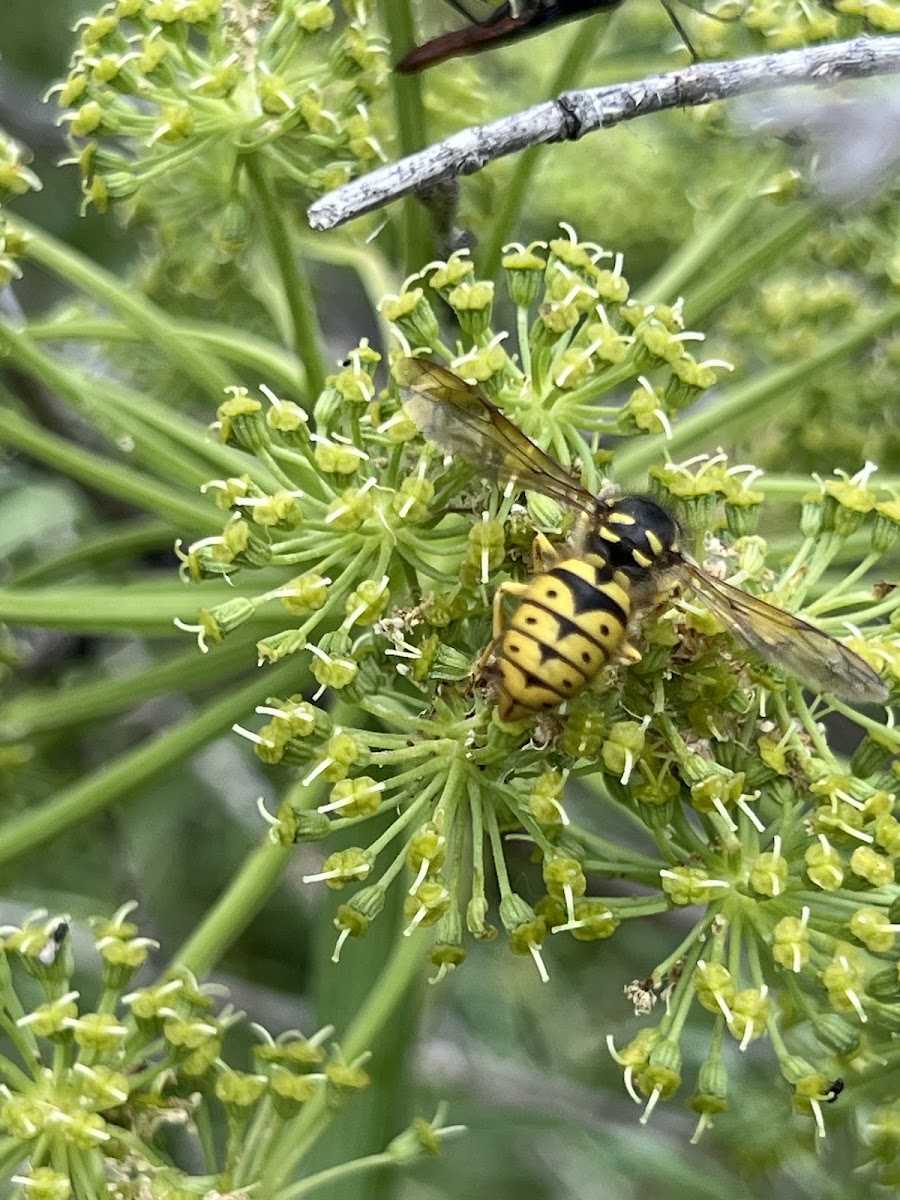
(570, 622)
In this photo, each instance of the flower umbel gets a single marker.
(392, 555)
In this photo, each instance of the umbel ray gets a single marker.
(575, 615)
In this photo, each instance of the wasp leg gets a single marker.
(544, 555)
(510, 588)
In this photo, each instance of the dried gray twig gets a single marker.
(573, 114)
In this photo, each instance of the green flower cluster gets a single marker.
(169, 101)
(747, 813)
(87, 1094)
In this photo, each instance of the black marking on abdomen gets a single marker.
(533, 681)
(586, 598)
(549, 653)
(565, 626)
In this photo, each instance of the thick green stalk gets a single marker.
(701, 246)
(146, 608)
(296, 289)
(740, 268)
(121, 778)
(36, 711)
(581, 48)
(744, 406)
(112, 543)
(150, 323)
(409, 111)
(97, 471)
(268, 362)
(235, 908)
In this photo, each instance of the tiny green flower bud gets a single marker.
(448, 950)
(290, 1091)
(872, 927)
(790, 939)
(411, 501)
(769, 873)
(844, 985)
(750, 1011)
(427, 904)
(332, 672)
(43, 1183)
(823, 865)
(344, 866)
(86, 120)
(869, 865)
(715, 988)
(427, 847)
(367, 602)
(360, 797)
(624, 744)
(52, 1020)
(413, 316)
(449, 274)
(100, 1032)
(239, 1090)
(564, 876)
(854, 499)
(691, 885)
(593, 921)
(661, 1077)
(350, 510)
(354, 918)
(524, 272)
(346, 1077)
(812, 515)
(241, 422)
(412, 1143)
(304, 594)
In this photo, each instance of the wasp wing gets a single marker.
(456, 416)
(789, 643)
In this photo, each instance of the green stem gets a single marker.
(702, 247)
(147, 608)
(277, 367)
(579, 52)
(97, 471)
(748, 405)
(35, 712)
(409, 114)
(121, 779)
(307, 336)
(346, 1170)
(110, 544)
(150, 323)
(235, 908)
(741, 268)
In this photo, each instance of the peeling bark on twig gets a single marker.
(574, 114)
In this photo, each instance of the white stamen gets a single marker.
(339, 945)
(252, 737)
(317, 771)
(414, 924)
(421, 876)
(535, 952)
(817, 1113)
(651, 1104)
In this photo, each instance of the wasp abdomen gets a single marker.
(570, 622)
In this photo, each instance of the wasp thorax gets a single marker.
(637, 531)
